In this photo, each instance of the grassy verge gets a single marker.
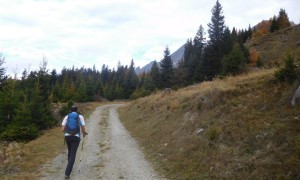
(22, 160)
(233, 128)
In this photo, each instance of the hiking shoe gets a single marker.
(67, 177)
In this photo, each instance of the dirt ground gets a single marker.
(108, 152)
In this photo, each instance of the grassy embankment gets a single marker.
(274, 47)
(22, 160)
(239, 127)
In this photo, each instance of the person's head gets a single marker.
(74, 109)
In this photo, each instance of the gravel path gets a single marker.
(109, 152)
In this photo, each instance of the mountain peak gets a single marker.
(176, 57)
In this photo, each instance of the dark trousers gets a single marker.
(72, 143)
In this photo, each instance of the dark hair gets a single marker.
(73, 108)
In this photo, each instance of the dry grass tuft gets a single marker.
(242, 126)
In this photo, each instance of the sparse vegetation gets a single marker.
(244, 127)
(289, 72)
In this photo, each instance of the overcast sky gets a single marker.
(88, 32)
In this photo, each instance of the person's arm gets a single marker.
(63, 124)
(82, 127)
(84, 133)
(63, 127)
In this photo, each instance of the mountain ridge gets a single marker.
(176, 57)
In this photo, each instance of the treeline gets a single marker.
(26, 103)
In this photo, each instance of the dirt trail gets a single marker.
(109, 152)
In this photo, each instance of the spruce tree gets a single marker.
(250, 32)
(155, 75)
(274, 25)
(234, 62)
(196, 66)
(148, 83)
(132, 80)
(217, 24)
(166, 69)
(212, 65)
(3, 77)
(9, 102)
(182, 74)
(283, 19)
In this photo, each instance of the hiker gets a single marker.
(71, 126)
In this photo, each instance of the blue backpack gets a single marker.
(73, 124)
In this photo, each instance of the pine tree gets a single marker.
(166, 69)
(274, 26)
(188, 53)
(21, 128)
(9, 102)
(234, 35)
(213, 55)
(132, 80)
(227, 41)
(283, 19)
(148, 83)
(217, 24)
(104, 74)
(234, 62)
(3, 77)
(250, 32)
(155, 75)
(196, 66)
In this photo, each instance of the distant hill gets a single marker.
(176, 57)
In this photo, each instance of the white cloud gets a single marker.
(84, 33)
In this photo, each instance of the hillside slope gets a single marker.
(274, 47)
(239, 127)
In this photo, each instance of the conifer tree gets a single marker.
(148, 83)
(9, 102)
(250, 32)
(188, 53)
(21, 128)
(235, 61)
(227, 41)
(166, 69)
(196, 66)
(274, 26)
(283, 19)
(212, 65)
(183, 75)
(132, 80)
(217, 24)
(234, 35)
(3, 77)
(155, 75)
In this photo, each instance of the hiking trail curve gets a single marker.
(109, 152)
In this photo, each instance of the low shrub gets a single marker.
(19, 132)
(288, 72)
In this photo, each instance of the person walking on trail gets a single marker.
(71, 126)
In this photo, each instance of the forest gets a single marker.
(26, 102)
